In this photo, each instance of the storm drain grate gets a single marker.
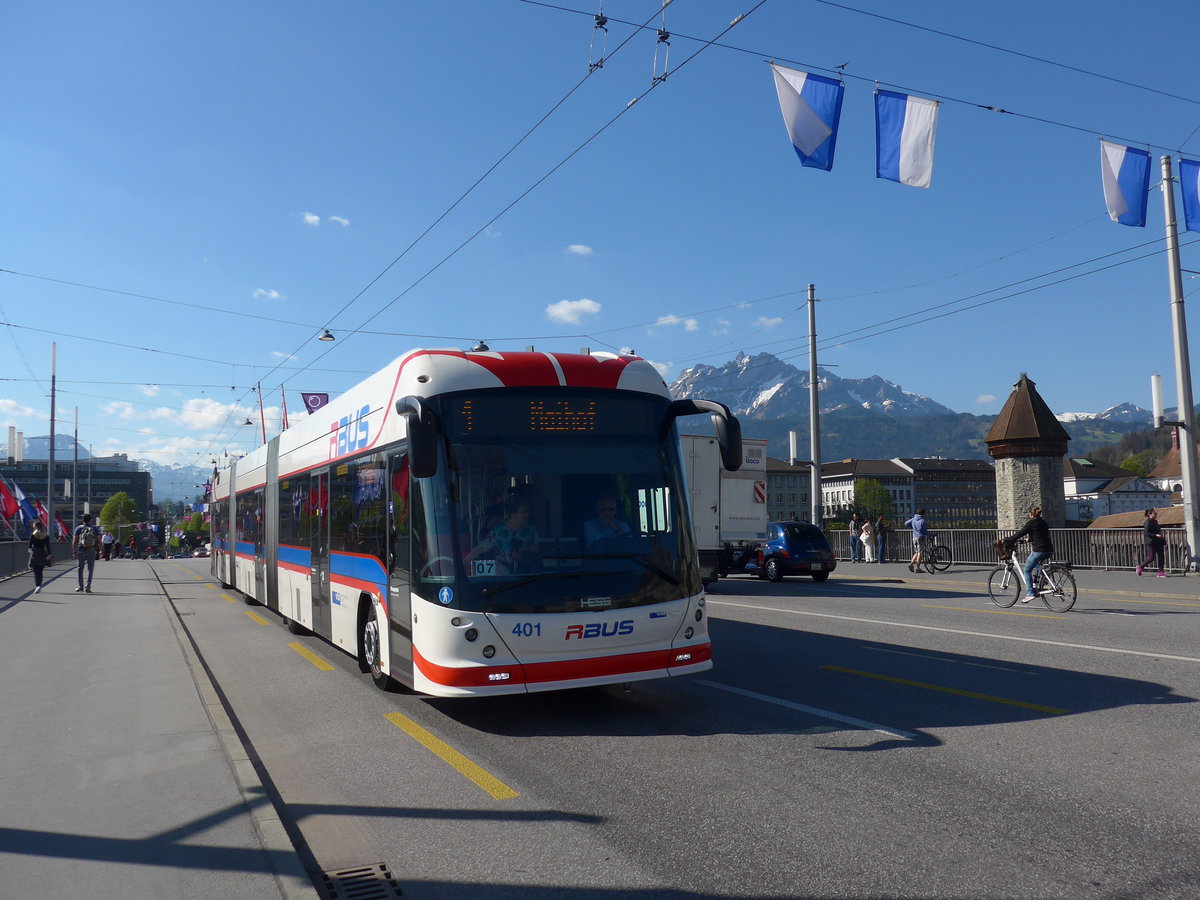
(362, 883)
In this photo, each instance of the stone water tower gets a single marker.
(1028, 444)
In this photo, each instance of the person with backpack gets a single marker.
(83, 546)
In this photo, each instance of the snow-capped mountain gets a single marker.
(765, 387)
(176, 482)
(1121, 414)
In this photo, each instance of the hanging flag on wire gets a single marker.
(1189, 184)
(1126, 175)
(313, 402)
(811, 107)
(905, 127)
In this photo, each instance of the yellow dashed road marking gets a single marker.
(311, 657)
(494, 786)
(257, 618)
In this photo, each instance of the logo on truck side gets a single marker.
(600, 629)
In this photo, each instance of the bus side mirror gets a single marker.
(726, 424)
(422, 436)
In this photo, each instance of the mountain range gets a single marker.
(871, 417)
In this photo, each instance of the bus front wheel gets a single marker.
(369, 649)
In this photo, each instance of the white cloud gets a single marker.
(13, 408)
(150, 390)
(766, 323)
(310, 219)
(279, 354)
(570, 312)
(986, 398)
(580, 250)
(721, 327)
(344, 222)
(119, 409)
(203, 412)
(688, 324)
(267, 294)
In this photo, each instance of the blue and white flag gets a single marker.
(811, 107)
(1126, 175)
(28, 513)
(1189, 184)
(905, 127)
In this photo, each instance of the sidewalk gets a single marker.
(1112, 583)
(122, 776)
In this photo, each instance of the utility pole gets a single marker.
(1183, 371)
(814, 412)
(75, 477)
(50, 462)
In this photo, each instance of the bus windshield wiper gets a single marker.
(646, 561)
(494, 589)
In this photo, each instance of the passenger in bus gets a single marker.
(606, 524)
(512, 544)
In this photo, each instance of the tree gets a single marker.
(872, 499)
(120, 511)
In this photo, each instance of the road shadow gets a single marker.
(766, 678)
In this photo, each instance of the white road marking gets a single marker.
(982, 634)
(811, 710)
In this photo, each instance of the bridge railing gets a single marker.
(1086, 548)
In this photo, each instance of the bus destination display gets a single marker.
(505, 414)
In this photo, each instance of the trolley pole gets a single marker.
(1183, 370)
(814, 412)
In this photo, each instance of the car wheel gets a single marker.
(774, 573)
(820, 576)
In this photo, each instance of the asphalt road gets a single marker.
(861, 738)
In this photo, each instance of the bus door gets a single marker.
(318, 498)
(399, 568)
(260, 572)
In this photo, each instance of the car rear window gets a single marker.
(804, 532)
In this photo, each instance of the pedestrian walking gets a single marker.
(1154, 541)
(920, 535)
(84, 546)
(855, 529)
(107, 545)
(39, 553)
(881, 535)
(867, 536)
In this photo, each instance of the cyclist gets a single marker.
(1038, 533)
(920, 535)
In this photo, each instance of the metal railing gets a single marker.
(14, 556)
(1085, 548)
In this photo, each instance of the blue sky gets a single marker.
(193, 192)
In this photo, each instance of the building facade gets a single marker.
(955, 493)
(83, 487)
(788, 491)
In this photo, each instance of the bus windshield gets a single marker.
(556, 500)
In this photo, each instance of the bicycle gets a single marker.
(940, 554)
(927, 557)
(1053, 582)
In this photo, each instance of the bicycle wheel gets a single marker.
(1004, 586)
(928, 561)
(1058, 590)
(941, 557)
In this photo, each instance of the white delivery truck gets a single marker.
(729, 509)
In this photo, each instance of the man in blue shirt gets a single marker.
(920, 534)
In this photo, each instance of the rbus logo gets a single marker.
(600, 629)
(349, 433)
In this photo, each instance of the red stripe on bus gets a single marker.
(561, 670)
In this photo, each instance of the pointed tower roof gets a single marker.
(1026, 426)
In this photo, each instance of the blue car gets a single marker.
(793, 548)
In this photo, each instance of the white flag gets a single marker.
(905, 127)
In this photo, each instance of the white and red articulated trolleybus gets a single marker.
(474, 523)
